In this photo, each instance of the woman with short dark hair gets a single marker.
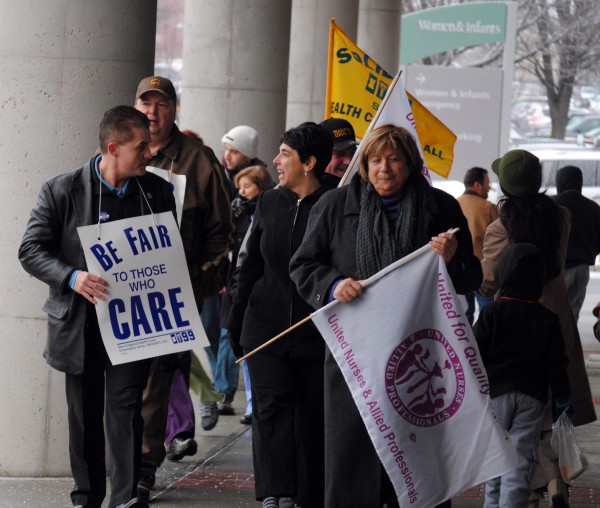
(287, 376)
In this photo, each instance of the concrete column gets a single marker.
(308, 54)
(235, 65)
(63, 63)
(379, 32)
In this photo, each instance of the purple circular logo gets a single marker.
(424, 379)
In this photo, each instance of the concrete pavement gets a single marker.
(220, 474)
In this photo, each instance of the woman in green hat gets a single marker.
(527, 215)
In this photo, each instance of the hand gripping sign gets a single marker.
(150, 309)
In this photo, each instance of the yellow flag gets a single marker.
(437, 141)
(356, 85)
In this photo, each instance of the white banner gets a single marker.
(413, 367)
(394, 109)
(178, 183)
(150, 309)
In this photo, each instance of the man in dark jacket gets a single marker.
(584, 238)
(114, 185)
(207, 232)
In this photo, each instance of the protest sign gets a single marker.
(414, 370)
(178, 183)
(150, 309)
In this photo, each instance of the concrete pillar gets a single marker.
(235, 64)
(63, 63)
(379, 32)
(308, 54)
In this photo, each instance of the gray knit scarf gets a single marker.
(380, 240)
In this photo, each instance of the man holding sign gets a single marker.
(111, 186)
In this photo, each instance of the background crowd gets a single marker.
(262, 256)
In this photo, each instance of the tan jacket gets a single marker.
(554, 298)
(480, 213)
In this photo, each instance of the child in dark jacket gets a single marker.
(523, 351)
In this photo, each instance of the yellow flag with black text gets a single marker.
(356, 85)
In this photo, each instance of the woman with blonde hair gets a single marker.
(387, 211)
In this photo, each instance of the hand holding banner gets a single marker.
(415, 374)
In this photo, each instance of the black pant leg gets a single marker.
(85, 402)
(310, 433)
(125, 385)
(273, 428)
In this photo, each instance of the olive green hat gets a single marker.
(519, 173)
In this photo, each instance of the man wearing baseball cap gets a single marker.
(344, 145)
(207, 232)
(241, 148)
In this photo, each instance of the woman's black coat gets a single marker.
(266, 301)
(354, 476)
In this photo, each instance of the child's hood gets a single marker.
(522, 272)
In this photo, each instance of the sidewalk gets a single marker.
(220, 474)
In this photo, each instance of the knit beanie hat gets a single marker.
(244, 139)
(519, 173)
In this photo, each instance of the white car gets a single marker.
(585, 159)
(553, 157)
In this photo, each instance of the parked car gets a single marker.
(580, 126)
(553, 156)
(529, 115)
(586, 159)
(592, 137)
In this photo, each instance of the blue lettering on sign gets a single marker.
(118, 306)
(160, 316)
(165, 314)
(184, 336)
(138, 316)
(142, 241)
(105, 261)
(176, 305)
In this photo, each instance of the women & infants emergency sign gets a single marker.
(150, 309)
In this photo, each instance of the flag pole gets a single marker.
(354, 160)
(365, 283)
(274, 339)
(329, 70)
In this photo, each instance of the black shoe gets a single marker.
(246, 419)
(209, 415)
(179, 448)
(145, 483)
(225, 407)
(143, 493)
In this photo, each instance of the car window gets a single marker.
(584, 125)
(589, 168)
